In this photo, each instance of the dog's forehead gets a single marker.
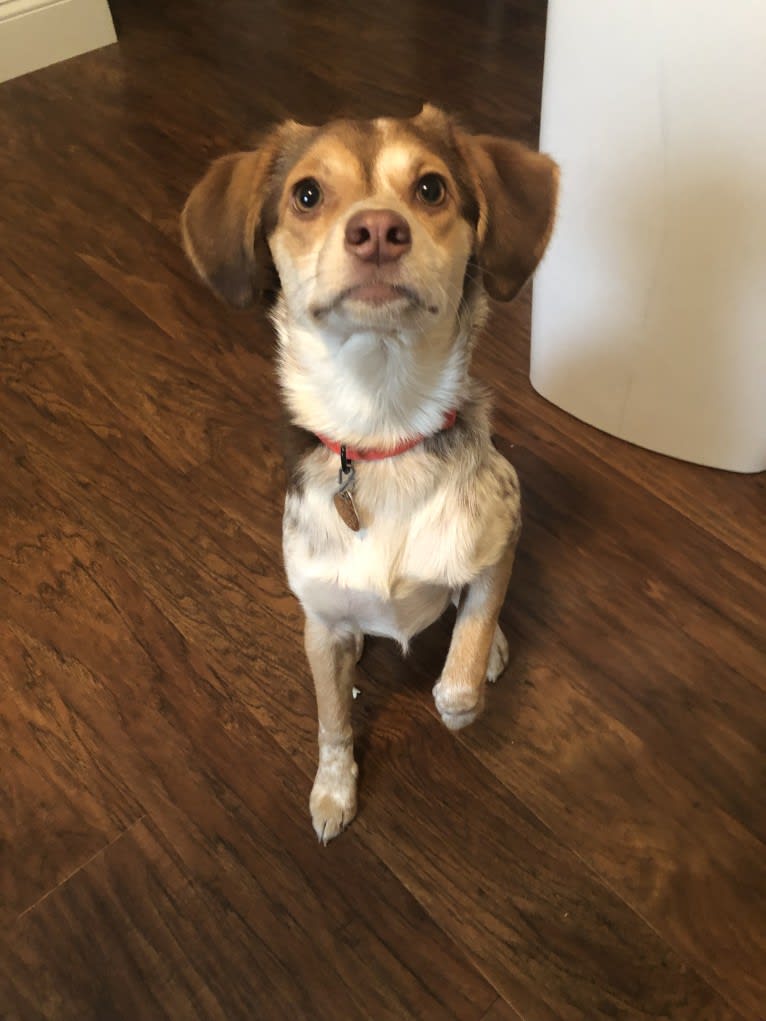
(399, 154)
(381, 151)
(343, 147)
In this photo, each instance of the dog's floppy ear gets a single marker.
(220, 224)
(516, 189)
(222, 221)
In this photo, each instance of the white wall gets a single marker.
(36, 33)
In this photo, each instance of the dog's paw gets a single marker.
(498, 657)
(458, 704)
(333, 796)
(460, 701)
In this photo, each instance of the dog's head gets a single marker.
(372, 222)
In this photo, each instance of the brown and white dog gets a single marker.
(386, 236)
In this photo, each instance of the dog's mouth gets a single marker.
(375, 294)
(379, 294)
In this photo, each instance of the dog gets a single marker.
(382, 241)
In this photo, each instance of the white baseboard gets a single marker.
(36, 33)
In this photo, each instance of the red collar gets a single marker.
(376, 454)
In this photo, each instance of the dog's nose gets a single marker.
(378, 235)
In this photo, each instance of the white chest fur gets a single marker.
(428, 528)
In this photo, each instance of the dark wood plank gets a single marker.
(147, 268)
(58, 807)
(172, 946)
(291, 924)
(682, 663)
(655, 778)
(658, 824)
(171, 534)
(169, 947)
(59, 802)
(525, 906)
(162, 394)
(501, 1011)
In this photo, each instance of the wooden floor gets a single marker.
(593, 848)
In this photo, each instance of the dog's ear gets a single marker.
(222, 221)
(516, 190)
(220, 224)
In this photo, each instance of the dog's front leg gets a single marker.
(332, 656)
(478, 651)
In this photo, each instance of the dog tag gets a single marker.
(344, 505)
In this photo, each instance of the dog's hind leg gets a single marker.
(498, 656)
(358, 646)
(478, 651)
(332, 656)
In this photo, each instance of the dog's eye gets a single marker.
(431, 189)
(307, 194)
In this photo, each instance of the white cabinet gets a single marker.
(649, 309)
